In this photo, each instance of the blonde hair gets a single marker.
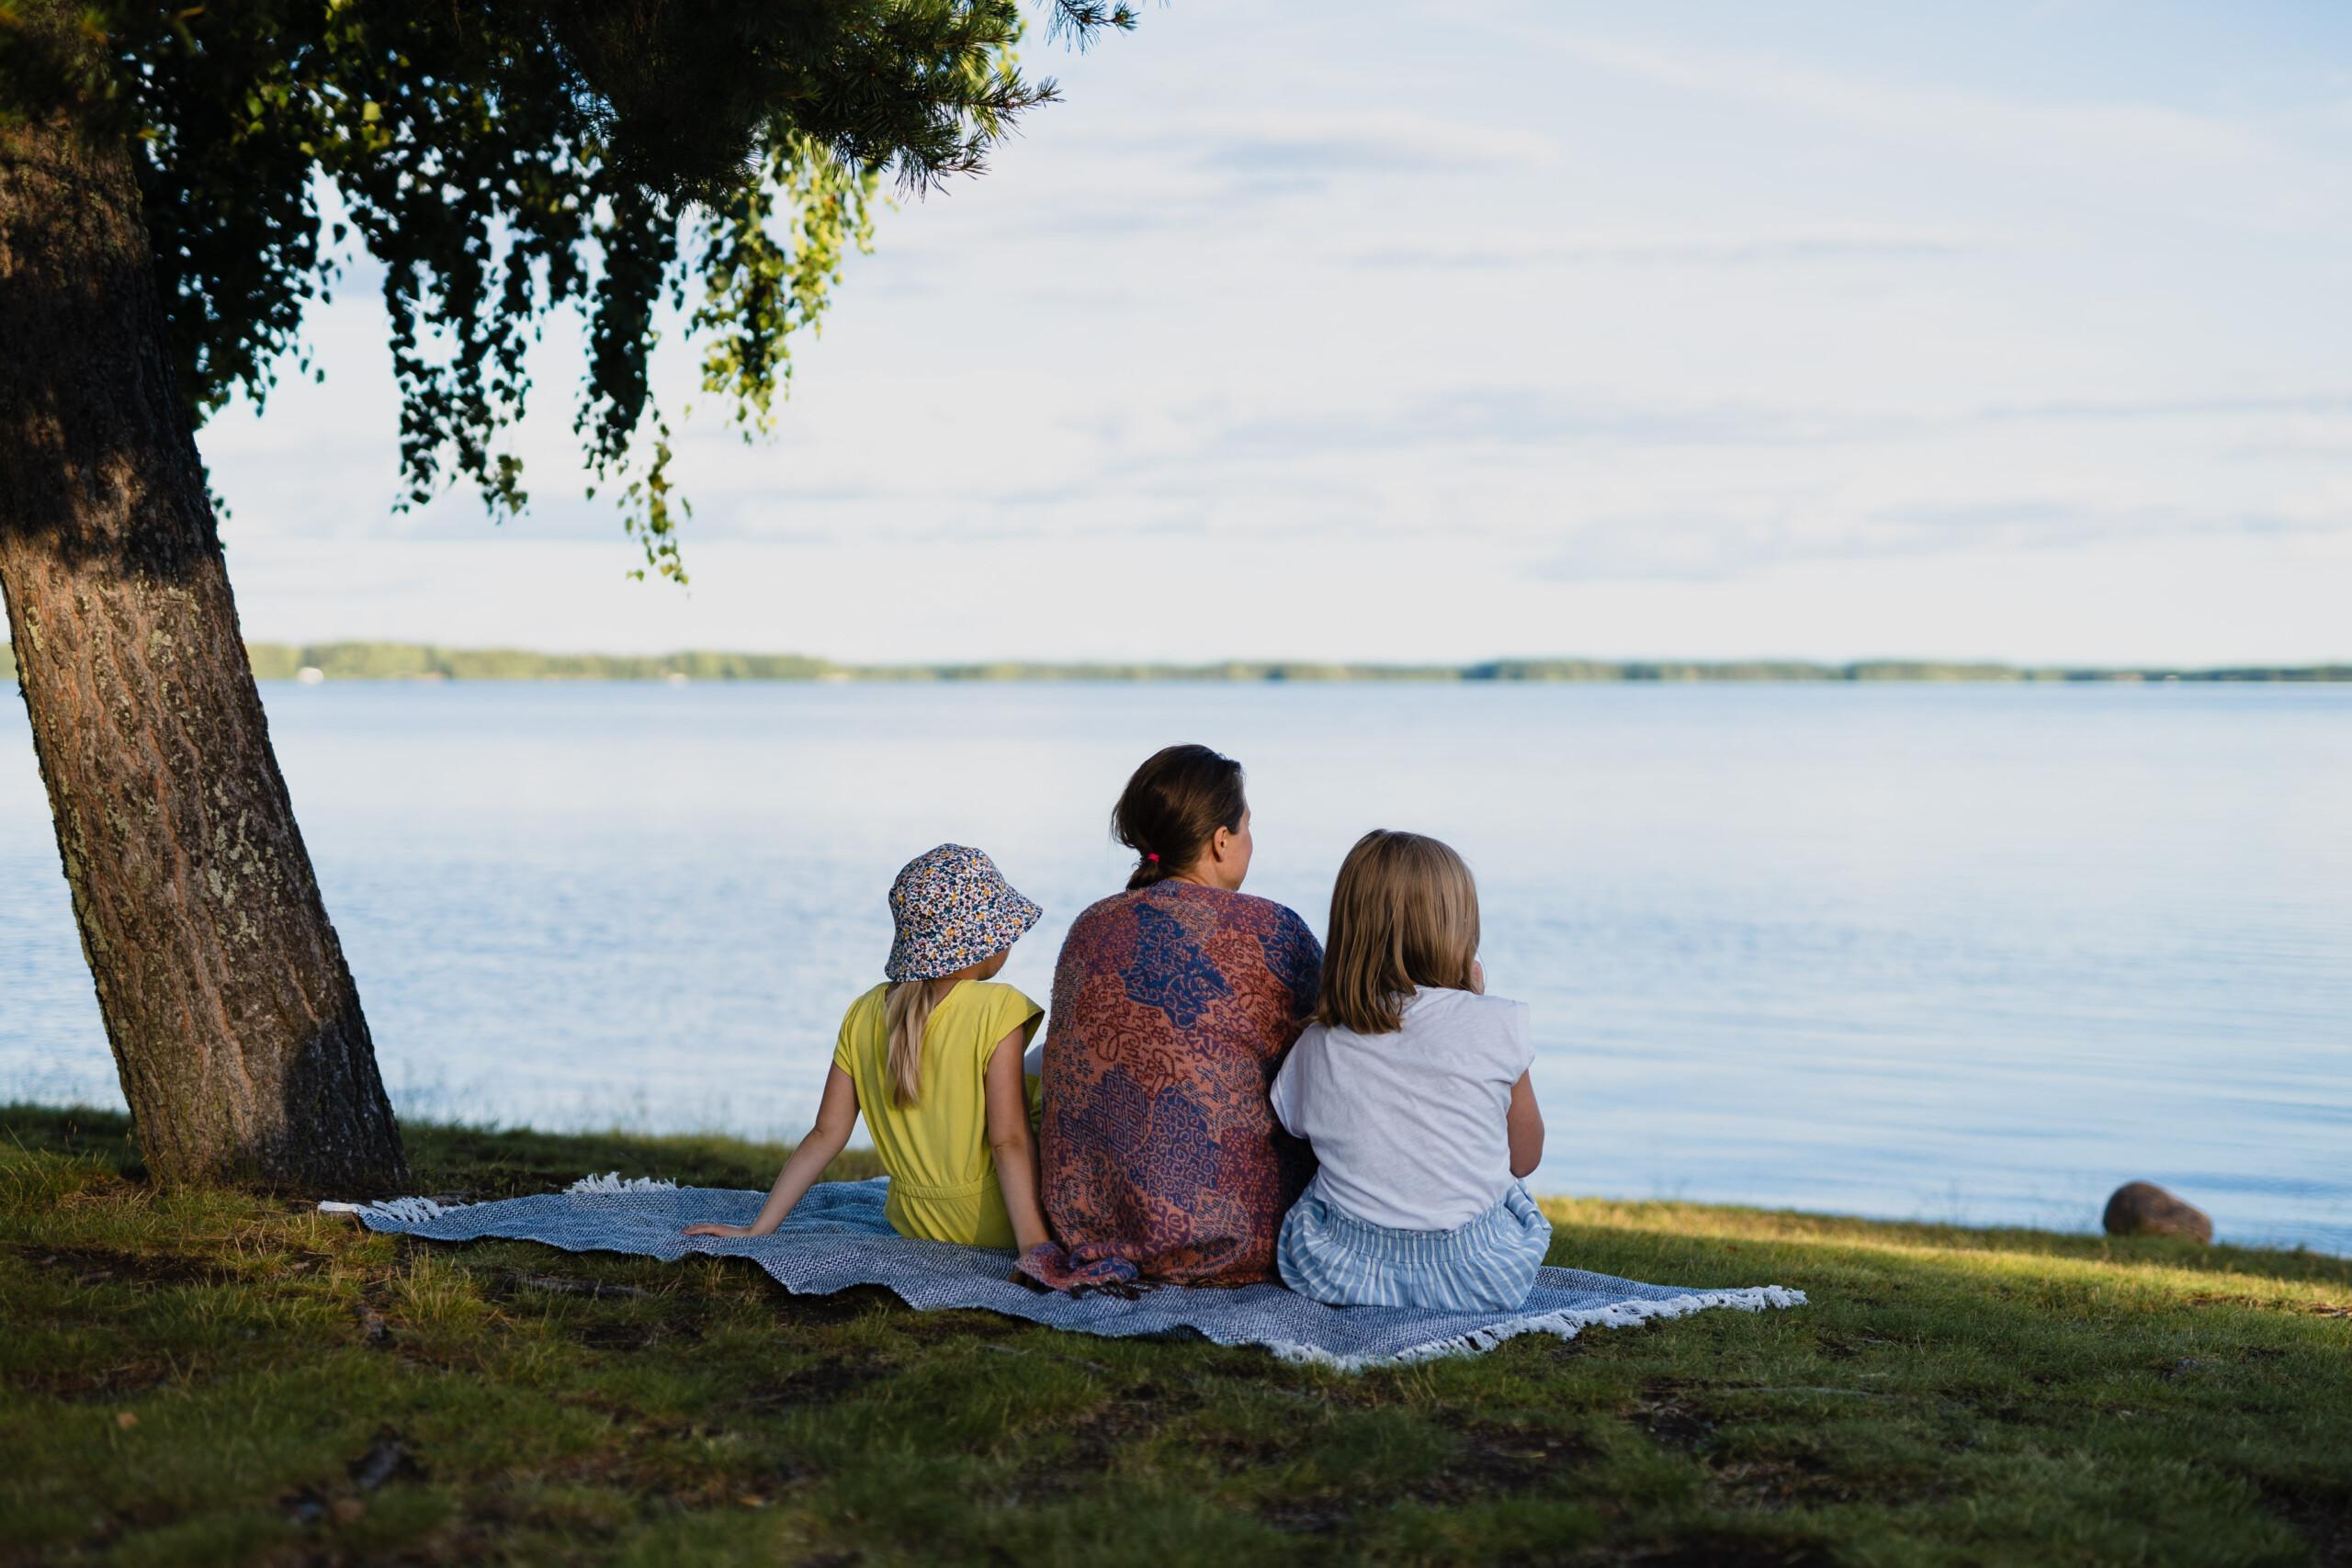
(1404, 914)
(906, 1012)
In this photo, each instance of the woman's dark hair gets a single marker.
(1173, 807)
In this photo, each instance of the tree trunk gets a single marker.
(235, 1021)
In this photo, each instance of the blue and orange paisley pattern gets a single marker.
(1173, 1007)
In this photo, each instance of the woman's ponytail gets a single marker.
(906, 1012)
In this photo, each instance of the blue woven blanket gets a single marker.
(837, 1237)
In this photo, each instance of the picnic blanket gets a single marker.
(837, 1237)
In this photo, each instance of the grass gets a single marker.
(205, 1377)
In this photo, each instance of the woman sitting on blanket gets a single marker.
(933, 1057)
(1174, 1003)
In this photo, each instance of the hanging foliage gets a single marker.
(503, 161)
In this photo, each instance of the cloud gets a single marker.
(1679, 545)
(1292, 152)
(1376, 140)
(1533, 416)
(1857, 243)
(1932, 112)
(2174, 408)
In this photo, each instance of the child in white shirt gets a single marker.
(1412, 1085)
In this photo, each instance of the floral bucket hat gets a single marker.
(953, 907)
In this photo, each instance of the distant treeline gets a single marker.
(418, 661)
(403, 661)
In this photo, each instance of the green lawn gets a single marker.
(213, 1377)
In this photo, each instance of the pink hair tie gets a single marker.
(1151, 857)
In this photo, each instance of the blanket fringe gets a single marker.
(399, 1211)
(1566, 1323)
(417, 1211)
(613, 1182)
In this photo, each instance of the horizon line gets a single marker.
(352, 660)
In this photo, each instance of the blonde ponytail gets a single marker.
(906, 1012)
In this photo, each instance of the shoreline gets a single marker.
(859, 1160)
(311, 664)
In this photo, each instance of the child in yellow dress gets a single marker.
(931, 1056)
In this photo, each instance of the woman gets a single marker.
(1173, 1004)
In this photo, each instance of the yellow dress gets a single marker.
(943, 1177)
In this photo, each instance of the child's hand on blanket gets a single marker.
(716, 1230)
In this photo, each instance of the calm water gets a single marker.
(1972, 953)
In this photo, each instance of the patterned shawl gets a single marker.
(1161, 1160)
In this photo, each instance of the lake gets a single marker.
(1967, 953)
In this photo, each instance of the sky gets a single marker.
(1420, 332)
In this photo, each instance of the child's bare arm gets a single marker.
(836, 1117)
(1009, 1142)
(1526, 1123)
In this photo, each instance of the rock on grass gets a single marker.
(2142, 1208)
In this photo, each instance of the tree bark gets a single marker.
(233, 1019)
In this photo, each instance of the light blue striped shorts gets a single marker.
(1489, 1264)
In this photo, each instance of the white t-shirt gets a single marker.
(1410, 1127)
